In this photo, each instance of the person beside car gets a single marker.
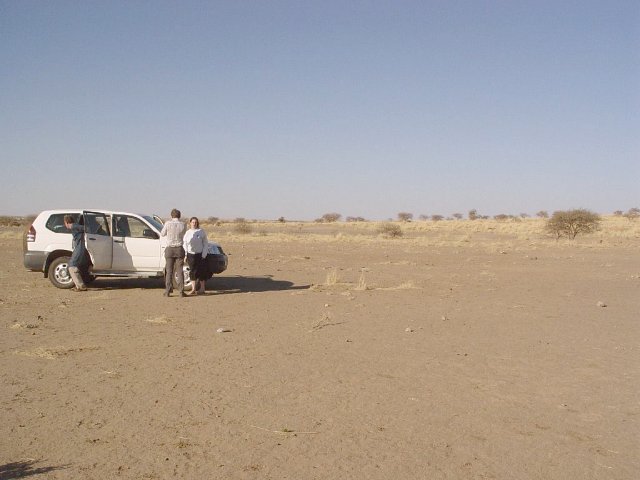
(196, 245)
(79, 256)
(174, 253)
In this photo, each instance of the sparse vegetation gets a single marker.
(457, 216)
(332, 277)
(542, 214)
(570, 223)
(473, 214)
(8, 221)
(242, 226)
(437, 218)
(355, 219)
(362, 283)
(632, 214)
(330, 217)
(390, 230)
(405, 216)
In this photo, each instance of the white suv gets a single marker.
(120, 244)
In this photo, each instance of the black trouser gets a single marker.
(175, 259)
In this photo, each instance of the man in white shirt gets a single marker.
(174, 252)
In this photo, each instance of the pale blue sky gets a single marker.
(262, 109)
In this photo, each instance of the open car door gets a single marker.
(98, 239)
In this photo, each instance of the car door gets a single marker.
(98, 239)
(136, 246)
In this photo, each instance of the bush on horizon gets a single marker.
(570, 223)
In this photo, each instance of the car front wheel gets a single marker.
(59, 273)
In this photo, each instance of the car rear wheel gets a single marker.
(59, 273)
(187, 279)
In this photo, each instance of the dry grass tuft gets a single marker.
(408, 285)
(53, 353)
(332, 278)
(362, 284)
(11, 233)
(161, 320)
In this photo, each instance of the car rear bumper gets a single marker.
(35, 261)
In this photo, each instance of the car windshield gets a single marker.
(153, 222)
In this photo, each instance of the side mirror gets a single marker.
(148, 233)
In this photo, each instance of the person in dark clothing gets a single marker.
(79, 257)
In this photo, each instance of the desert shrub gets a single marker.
(436, 218)
(632, 213)
(502, 217)
(570, 223)
(242, 226)
(390, 230)
(457, 216)
(542, 214)
(423, 217)
(618, 213)
(473, 214)
(405, 216)
(524, 215)
(330, 217)
(6, 221)
(355, 219)
(213, 220)
(9, 221)
(281, 220)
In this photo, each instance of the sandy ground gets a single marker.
(347, 358)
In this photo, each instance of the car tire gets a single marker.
(59, 273)
(187, 278)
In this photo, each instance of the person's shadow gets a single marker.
(219, 284)
(24, 469)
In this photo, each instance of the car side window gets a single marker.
(126, 226)
(96, 223)
(137, 227)
(55, 222)
(121, 226)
